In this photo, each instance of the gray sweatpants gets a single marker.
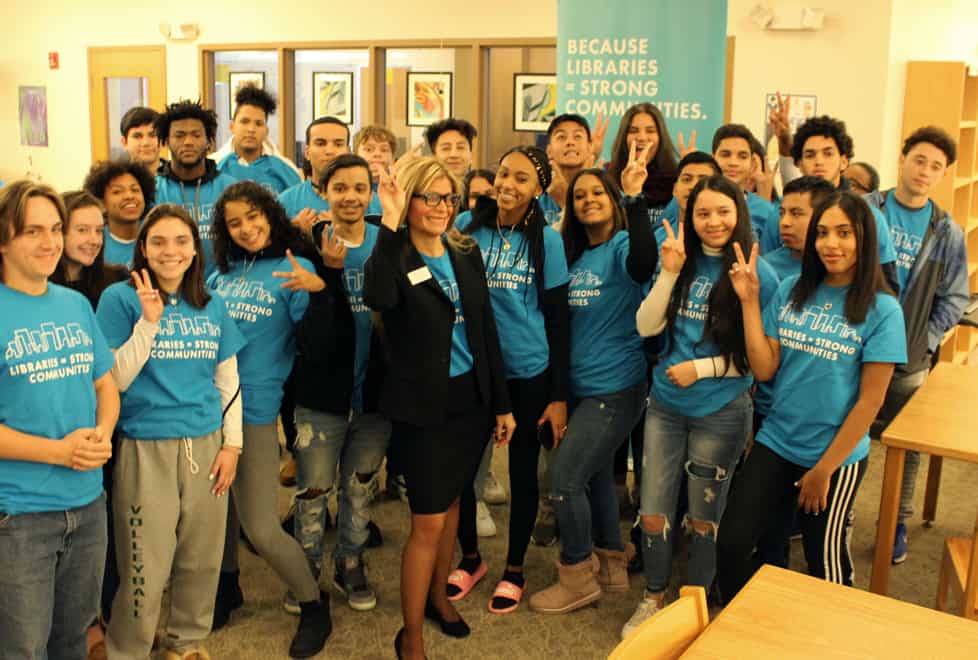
(168, 525)
(255, 491)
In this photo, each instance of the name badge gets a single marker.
(419, 275)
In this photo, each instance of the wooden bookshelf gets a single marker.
(944, 94)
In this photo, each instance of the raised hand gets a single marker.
(635, 173)
(305, 219)
(558, 185)
(684, 148)
(333, 250)
(392, 199)
(673, 250)
(299, 279)
(411, 154)
(597, 137)
(780, 125)
(743, 275)
(149, 298)
(763, 180)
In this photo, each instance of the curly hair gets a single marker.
(186, 109)
(254, 95)
(282, 233)
(823, 126)
(105, 172)
(935, 136)
(436, 130)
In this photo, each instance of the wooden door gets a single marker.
(118, 79)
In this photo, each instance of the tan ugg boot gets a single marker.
(576, 587)
(612, 570)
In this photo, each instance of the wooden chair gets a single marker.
(959, 574)
(669, 632)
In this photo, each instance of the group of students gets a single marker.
(423, 312)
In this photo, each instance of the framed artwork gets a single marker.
(429, 98)
(534, 101)
(800, 108)
(332, 95)
(238, 79)
(33, 116)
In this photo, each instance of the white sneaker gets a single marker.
(494, 493)
(646, 608)
(484, 525)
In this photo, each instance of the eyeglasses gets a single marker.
(434, 199)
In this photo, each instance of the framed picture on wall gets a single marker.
(332, 95)
(534, 101)
(429, 98)
(238, 79)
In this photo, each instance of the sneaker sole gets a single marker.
(584, 601)
(294, 610)
(359, 607)
(899, 560)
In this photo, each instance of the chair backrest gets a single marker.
(970, 598)
(670, 631)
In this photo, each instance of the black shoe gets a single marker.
(457, 629)
(227, 599)
(374, 538)
(397, 643)
(315, 626)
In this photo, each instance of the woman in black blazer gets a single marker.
(445, 379)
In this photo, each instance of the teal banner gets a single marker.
(672, 53)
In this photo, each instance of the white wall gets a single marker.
(845, 64)
(944, 30)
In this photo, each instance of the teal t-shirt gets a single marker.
(513, 291)
(270, 171)
(784, 266)
(174, 395)
(907, 229)
(118, 251)
(266, 315)
(606, 350)
(551, 210)
(443, 272)
(302, 196)
(818, 378)
(707, 395)
(53, 353)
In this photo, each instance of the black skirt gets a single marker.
(439, 461)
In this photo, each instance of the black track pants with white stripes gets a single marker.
(762, 492)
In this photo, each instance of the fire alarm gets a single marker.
(53, 60)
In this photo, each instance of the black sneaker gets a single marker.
(374, 538)
(351, 579)
(315, 626)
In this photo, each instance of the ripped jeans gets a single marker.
(705, 450)
(357, 444)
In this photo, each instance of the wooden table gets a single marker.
(782, 614)
(939, 420)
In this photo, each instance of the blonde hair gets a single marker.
(416, 177)
(375, 132)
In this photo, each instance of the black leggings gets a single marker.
(530, 397)
(761, 496)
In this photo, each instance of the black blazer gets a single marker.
(417, 330)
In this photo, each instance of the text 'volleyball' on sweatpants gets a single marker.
(168, 526)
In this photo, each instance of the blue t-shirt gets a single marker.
(443, 272)
(270, 171)
(822, 356)
(356, 257)
(707, 395)
(266, 315)
(785, 265)
(515, 302)
(551, 210)
(907, 229)
(174, 395)
(302, 196)
(606, 350)
(199, 202)
(54, 352)
(118, 251)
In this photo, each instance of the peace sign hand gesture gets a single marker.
(780, 125)
(684, 148)
(743, 275)
(635, 173)
(392, 199)
(597, 137)
(333, 250)
(299, 279)
(149, 298)
(673, 249)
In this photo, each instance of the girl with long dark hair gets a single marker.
(694, 431)
(644, 126)
(180, 437)
(832, 335)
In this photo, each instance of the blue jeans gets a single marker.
(357, 443)
(582, 480)
(706, 449)
(51, 568)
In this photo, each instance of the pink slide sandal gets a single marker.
(506, 589)
(466, 581)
